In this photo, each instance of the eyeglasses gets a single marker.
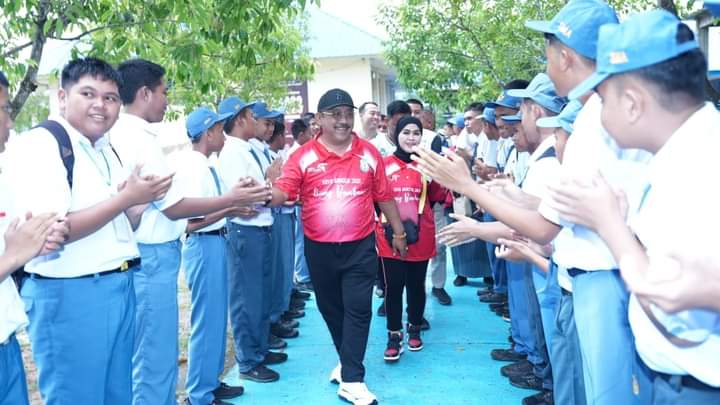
(338, 115)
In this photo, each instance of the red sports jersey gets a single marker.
(406, 187)
(337, 192)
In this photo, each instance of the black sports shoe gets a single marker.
(483, 291)
(297, 304)
(518, 368)
(305, 287)
(274, 358)
(283, 332)
(545, 397)
(460, 281)
(493, 297)
(507, 355)
(424, 325)
(276, 343)
(528, 382)
(260, 374)
(289, 323)
(394, 347)
(381, 309)
(225, 391)
(300, 295)
(489, 281)
(498, 305)
(294, 313)
(442, 296)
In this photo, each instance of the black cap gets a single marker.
(334, 98)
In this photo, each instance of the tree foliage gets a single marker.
(211, 48)
(452, 52)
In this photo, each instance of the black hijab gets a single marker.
(404, 121)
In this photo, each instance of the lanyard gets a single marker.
(257, 159)
(217, 180)
(108, 177)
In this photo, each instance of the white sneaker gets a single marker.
(356, 393)
(336, 375)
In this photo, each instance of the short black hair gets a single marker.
(136, 73)
(307, 117)
(4, 81)
(679, 81)
(298, 126)
(97, 68)
(398, 107)
(415, 101)
(278, 130)
(517, 84)
(229, 124)
(475, 106)
(364, 105)
(552, 40)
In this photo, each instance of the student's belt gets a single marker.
(219, 232)
(125, 266)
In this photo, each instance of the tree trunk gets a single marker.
(29, 81)
(668, 5)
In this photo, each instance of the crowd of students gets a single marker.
(569, 195)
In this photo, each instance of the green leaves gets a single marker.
(210, 48)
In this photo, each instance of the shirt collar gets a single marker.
(325, 152)
(546, 144)
(75, 135)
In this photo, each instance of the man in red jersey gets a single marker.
(339, 177)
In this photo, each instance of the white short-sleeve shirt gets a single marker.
(138, 145)
(383, 145)
(12, 310)
(193, 175)
(679, 214)
(542, 169)
(37, 180)
(588, 151)
(235, 162)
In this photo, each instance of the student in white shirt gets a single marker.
(651, 78)
(155, 366)
(19, 244)
(249, 257)
(204, 261)
(81, 300)
(395, 110)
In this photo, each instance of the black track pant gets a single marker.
(409, 276)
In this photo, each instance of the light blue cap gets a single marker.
(512, 119)
(643, 40)
(713, 6)
(233, 105)
(489, 115)
(565, 120)
(460, 121)
(576, 25)
(505, 100)
(202, 119)
(260, 111)
(542, 91)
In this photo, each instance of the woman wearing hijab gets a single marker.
(414, 196)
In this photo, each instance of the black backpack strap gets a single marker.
(64, 146)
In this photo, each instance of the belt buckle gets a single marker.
(124, 266)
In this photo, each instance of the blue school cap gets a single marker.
(489, 115)
(512, 119)
(202, 119)
(542, 91)
(576, 25)
(505, 100)
(564, 120)
(233, 105)
(260, 111)
(460, 121)
(713, 6)
(643, 40)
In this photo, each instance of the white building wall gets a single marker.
(350, 74)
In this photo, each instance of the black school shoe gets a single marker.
(493, 297)
(274, 358)
(442, 296)
(294, 313)
(507, 355)
(289, 323)
(225, 391)
(297, 304)
(528, 382)
(545, 397)
(460, 281)
(283, 332)
(276, 343)
(260, 374)
(521, 367)
(300, 295)
(215, 401)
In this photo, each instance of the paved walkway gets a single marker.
(454, 367)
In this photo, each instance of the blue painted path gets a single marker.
(454, 367)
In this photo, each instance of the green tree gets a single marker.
(452, 52)
(211, 48)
